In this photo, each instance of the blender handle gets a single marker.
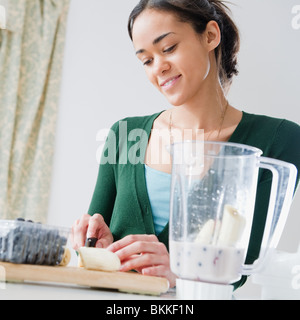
(284, 176)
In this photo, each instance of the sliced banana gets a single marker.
(225, 233)
(208, 232)
(66, 258)
(232, 227)
(79, 262)
(99, 259)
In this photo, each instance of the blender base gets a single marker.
(195, 290)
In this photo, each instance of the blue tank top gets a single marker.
(158, 187)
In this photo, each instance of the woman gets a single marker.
(188, 49)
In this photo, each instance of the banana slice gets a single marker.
(66, 258)
(208, 232)
(233, 225)
(79, 262)
(99, 259)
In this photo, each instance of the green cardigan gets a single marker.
(121, 195)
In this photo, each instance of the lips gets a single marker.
(170, 82)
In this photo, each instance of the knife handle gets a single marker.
(91, 242)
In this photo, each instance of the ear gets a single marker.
(212, 35)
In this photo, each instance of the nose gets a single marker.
(162, 65)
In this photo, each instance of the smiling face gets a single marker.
(177, 60)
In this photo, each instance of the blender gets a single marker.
(213, 192)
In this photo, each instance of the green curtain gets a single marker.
(31, 56)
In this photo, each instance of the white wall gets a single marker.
(104, 82)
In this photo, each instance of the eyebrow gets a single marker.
(156, 41)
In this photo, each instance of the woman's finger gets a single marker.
(90, 227)
(144, 260)
(142, 247)
(116, 246)
(98, 229)
(96, 222)
(79, 229)
(160, 271)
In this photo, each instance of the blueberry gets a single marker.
(32, 243)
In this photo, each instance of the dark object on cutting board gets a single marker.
(91, 242)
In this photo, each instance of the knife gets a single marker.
(91, 242)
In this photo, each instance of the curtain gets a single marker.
(31, 55)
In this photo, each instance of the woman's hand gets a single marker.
(145, 254)
(91, 227)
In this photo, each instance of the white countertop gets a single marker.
(49, 291)
(45, 291)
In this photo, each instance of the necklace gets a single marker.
(207, 139)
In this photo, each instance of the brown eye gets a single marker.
(148, 62)
(171, 49)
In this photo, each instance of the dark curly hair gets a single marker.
(198, 13)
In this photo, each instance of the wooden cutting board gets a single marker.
(123, 281)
